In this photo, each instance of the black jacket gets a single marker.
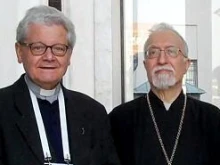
(87, 122)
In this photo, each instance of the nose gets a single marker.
(48, 54)
(162, 59)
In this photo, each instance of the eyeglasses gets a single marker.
(39, 48)
(169, 51)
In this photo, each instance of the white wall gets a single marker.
(198, 12)
(92, 68)
(10, 13)
(8, 62)
(215, 52)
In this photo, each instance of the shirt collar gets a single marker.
(49, 95)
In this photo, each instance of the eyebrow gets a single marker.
(153, 46)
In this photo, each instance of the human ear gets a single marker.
(18, 52)
(187, 64)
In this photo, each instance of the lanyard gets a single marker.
(63, 125)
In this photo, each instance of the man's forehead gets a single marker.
(164, 37)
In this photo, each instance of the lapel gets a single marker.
(78, 127)
(27, 122)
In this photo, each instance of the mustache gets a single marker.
(164, 67)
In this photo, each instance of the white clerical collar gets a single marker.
(49, 95)
(44, 92)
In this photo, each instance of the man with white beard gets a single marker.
(166, 127)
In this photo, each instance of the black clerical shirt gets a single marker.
(51, 119)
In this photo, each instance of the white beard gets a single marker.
(163, 80)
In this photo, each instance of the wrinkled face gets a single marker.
(166, 71)
(46, 70)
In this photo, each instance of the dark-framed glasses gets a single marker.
(169, 51)
(39, 48)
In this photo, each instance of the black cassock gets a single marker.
(137, 142)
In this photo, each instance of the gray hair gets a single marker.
(45, 15)
(165, 27)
